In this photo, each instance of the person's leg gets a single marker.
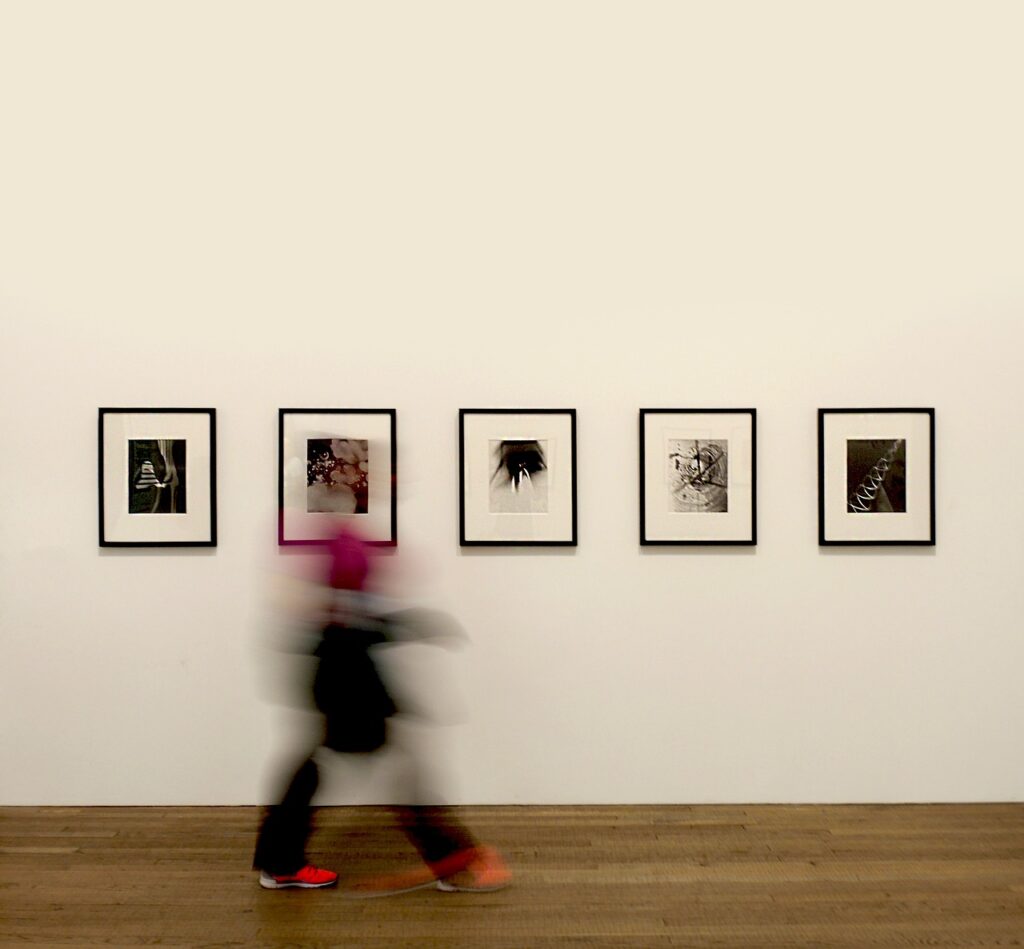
(435, 832)
(453, 861)
(281, 845)
(431, 826)
(452, 855)
(446, 847)
(452, 858)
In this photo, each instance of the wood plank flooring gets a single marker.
(644, 876)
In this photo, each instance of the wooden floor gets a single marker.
(765, 876)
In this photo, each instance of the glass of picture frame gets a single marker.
(876, 476)
(517, 477)
(698, 476)
(337, 467)
(157, 477)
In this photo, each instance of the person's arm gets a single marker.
(418, 624)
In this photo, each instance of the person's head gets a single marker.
(349, 562)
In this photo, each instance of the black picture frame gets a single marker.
(533, 443)
(677, 510)
(886, 503)
(377, 493)
(164, 459)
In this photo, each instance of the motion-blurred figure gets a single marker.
(355, 705)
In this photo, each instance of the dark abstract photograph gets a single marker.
(519, 483)
(698, 475)
(156, 476)
(876, 475)
(337, 475)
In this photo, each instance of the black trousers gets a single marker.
(281, 845)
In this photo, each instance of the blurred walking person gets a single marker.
(355, 706)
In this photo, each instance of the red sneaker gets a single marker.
(308, 878)
(404, 881)
(485, 872)
(391, 884)
(476, 870)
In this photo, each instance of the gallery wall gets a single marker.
(601, 206)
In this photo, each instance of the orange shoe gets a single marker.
(406, 880)
(476, 869)
(391, 884)
(308, 878)
(485, 872)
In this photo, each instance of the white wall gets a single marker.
(598, 205)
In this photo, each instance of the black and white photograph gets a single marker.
(519, 484)
(157, 477)
(517, 477)
(876, 476)
(336, 467)
(698, 476)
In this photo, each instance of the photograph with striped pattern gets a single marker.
(156, 476)
(876, 475)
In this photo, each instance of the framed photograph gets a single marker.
(876, 476)
(698, 476)
(158, 477)
(517, 477)
(336, 466)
